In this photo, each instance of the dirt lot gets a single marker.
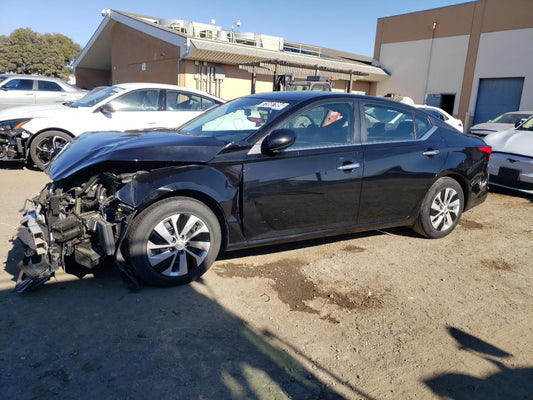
(380, 315)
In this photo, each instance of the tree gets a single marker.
(28, 52)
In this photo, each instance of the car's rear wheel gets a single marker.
(44, 145)
(173, 241)
(441, 209)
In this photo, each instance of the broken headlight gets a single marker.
(13, 126)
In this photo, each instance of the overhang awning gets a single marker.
(270, 62)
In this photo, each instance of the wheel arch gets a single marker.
(217, 188)
(204, 198)
(461, 180)
(33, 136)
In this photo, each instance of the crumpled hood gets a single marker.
(512, 141)
(34, 111)
(92, 148)
(488, 127)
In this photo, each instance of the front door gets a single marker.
(312, 186)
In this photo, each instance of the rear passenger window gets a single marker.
(422, 125)
(182, 101)
(48, 86)
(387, 123)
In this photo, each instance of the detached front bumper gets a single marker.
(40, 259)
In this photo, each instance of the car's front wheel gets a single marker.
(44, 145)
(173, 241)
(441, 209)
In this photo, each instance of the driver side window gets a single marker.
(325, 125)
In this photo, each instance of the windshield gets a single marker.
(3, 78)
(510, 118)
(236, 120)
(96, 96)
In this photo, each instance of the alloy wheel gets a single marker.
(178, 244)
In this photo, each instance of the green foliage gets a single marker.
(28, 52)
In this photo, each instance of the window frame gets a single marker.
(38, 89)
(414, 113)
(355, 128)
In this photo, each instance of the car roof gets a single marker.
(306, 95)
(519, 112)
(5, 76)
(430, 107)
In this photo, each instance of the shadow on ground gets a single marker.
(92, 338)
(507, 383)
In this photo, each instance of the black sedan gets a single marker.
(261, 169)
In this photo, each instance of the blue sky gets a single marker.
(348, 25)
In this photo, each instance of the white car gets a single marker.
(34, 132)
(503, 122)
(442, 115)
(18, 89)
(511, 162)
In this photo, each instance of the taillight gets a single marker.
(486, 149)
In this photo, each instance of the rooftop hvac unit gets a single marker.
(245, 37)
(176, 24)
(207, 31)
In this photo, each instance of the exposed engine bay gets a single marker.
(84, 222)
(13, 145)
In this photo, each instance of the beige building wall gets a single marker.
(447, 50)
(507, 54)
(425, 66)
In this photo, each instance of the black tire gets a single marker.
(43, 146)
(157, 246)
(441, 209)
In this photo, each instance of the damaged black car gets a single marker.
(262, 169)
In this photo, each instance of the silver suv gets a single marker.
(18, 90)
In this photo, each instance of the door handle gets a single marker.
(348, 167)
(431, 153)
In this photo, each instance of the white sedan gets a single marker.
(442, 115)
(511, 162)
(34, 132)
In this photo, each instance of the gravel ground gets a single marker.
(380, 315)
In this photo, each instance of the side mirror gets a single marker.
(107, 108)
(518, 123)
(277, 140)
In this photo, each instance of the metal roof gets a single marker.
(343, 65)
(268, 62)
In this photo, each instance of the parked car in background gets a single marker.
(34, 132)
(505, 121)
(259, 170)
(511, 163)
(442, 115)
(16, 90)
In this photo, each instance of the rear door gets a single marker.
(49, 92)
(314, 185)
(402, 155)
